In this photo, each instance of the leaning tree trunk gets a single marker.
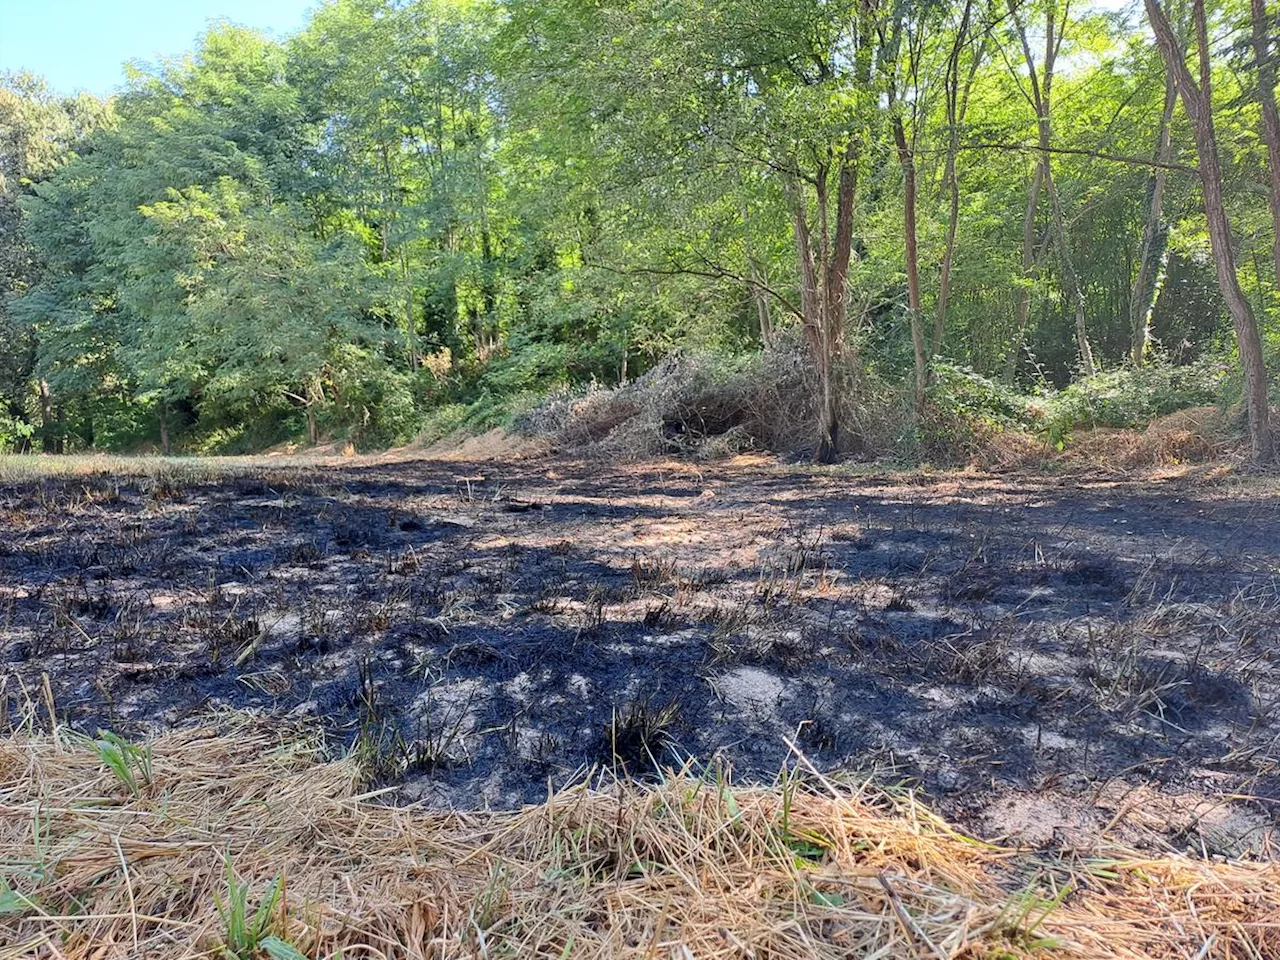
(1248, 339)
(1197, 100)
(1153, 255)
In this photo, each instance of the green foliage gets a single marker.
(246, 930)
(130, 763)
(418, 216)
(1132, 396)
(960, 392)
(965, 406)
(278, 949)
(14, 433)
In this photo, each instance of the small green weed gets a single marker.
(245, 932)
(129, 762)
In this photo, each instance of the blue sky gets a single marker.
(83, 44)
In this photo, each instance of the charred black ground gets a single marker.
(1046, 657)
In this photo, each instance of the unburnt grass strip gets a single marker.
(238, 842)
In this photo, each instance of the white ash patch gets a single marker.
(752, 690)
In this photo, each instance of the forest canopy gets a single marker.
(414, 215)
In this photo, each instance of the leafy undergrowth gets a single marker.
(243, 845)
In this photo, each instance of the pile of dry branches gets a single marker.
(241, 844)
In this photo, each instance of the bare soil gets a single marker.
(1051, 659)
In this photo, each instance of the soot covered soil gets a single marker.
(1052, 659)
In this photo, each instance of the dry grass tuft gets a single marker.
(1195, 435)
(181, 863)
(1198, 435)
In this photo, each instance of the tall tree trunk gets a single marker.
(46, 419)
(1070, 279)
(764, 314)
(815, 337)
(315, 396)
(410, 321)
(836, 298)
(1270, 118)
(957, 104)
(1153, 254)
(914, 307)
(757, 281)
(824, 275)
(59, 425)
(1039, 94)
(165, 446)
(948, 256)
(1023, 308)
(1197, 100)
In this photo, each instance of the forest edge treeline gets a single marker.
(443, 211)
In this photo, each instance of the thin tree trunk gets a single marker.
(1270, 118)
(165, 447)
(410, 321)
(1153, 254)
(46, 419)
(757, 281)
(948, 258)
(764, 315)
(1070, 279)
(315, 397)
(914, 307)
(1197, 100)
(1039, 93)
(957, 104)
(829, 416)
(837, 301)
(804, 259)
(1023, 310)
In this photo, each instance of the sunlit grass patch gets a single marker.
(248, 844)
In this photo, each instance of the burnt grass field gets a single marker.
(1050, 659)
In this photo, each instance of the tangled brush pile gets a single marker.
(695, 405)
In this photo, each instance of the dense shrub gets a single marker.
(14, 434)
(960, 393)
(1133, 396)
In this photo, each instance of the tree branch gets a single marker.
(1081, 152)
(712, 271)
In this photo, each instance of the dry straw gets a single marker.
(96, 864)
